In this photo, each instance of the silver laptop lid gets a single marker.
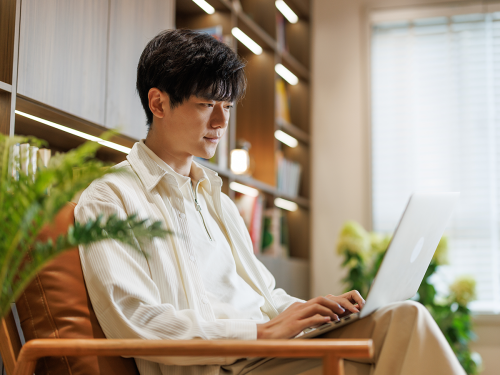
(411, 249)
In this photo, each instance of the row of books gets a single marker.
(25, 158)
(268, 228)
(288, 175)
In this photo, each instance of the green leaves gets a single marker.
(27, 205)
(362, 262)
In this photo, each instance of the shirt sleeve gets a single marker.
(127, 302)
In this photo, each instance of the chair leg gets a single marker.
(333, 365)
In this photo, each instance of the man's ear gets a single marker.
(158, 102)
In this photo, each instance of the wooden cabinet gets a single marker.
(132, 24)
(62, 55)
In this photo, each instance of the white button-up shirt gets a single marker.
(230, 296)
(162, 293)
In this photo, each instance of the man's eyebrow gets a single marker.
(211, 98)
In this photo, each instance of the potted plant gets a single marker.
(363, 252)
(31, 197)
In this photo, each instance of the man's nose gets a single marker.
(220, 117)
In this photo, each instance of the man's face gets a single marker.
(195, 126)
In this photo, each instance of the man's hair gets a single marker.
(183, 63)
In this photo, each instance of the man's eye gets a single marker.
(229, 106)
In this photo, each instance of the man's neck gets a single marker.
(180, 164)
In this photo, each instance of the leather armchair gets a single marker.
(64, 337)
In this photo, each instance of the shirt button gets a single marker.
(204, 300)
(182, 215)
(192, 258)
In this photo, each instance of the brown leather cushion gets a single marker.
(56, 305)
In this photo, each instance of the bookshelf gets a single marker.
(254, 118)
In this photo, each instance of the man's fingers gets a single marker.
(316, 320)
(354, 296)
(316, 308)
(331, 304)
(344, 302)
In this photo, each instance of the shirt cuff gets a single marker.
(241, 329)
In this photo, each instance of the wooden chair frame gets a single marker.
(331, 351)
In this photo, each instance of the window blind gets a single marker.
(436, 127)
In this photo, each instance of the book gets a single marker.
(289, 173)
(251, 210)
(275, 239)
(281, 32)
(282, 102)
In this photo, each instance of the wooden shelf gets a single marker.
(5, 87)
(246, 180)
(294, 131)
(59, 140)
(295, 66)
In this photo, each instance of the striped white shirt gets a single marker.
(163, 294)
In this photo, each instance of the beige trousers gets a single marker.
(406, 340)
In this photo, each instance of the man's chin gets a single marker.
(205, 155)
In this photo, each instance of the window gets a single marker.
(436, 127)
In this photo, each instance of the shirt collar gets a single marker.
(151, 169)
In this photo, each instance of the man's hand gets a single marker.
(312, 313)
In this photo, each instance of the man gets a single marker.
(205, 282)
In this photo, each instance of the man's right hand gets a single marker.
(299, 316)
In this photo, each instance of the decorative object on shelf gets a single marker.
(363, 253)
(25, 208)
(240, 158)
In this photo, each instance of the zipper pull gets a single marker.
(198, 207)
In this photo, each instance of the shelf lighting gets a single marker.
(246, 40)
(286, 205)
(285, 138)
(240, 161)
(243, 189)
(89, 137)
(205, 6)
(286, 74)
(286, 11)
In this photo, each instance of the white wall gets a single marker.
(340, 134)
(341, 142)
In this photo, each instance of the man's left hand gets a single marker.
(351, 301)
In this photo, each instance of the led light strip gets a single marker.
(205, 6)
(247, 190)
(286, 205)
(286, 11)
(246, 40)
(286, 74)
(285, 138)
(78, 133)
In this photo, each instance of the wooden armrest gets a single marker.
(332, 351)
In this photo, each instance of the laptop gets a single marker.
(407, 258)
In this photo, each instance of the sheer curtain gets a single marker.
(436, 127)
